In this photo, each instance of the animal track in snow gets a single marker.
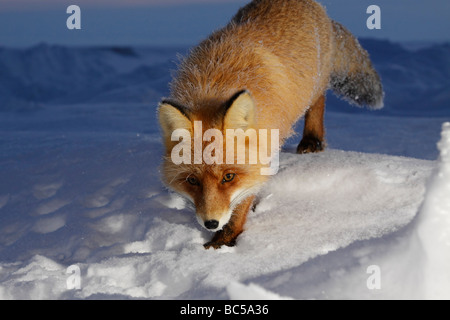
(45, 191)
(103, 196)
(48, 225)
(4, 200)
(52, 206)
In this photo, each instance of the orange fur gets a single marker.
(286, 54)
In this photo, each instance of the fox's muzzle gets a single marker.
(216, 223)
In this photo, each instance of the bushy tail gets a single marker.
(353, 77)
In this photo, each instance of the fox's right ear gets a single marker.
(240, 113)
(171, 117)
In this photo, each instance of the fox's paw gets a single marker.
(310, 144)
(223, 237)
(219, 244)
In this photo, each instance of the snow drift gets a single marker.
(434, 226)
(83, 213)
(108, 215)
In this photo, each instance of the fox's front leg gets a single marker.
(227, 236)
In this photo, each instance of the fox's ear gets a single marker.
(240, 112)
(171, 117)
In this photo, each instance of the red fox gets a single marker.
(270, 66)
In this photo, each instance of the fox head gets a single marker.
(213, 188)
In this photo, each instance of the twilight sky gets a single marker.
(185, 22)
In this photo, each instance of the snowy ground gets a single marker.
(80, 191)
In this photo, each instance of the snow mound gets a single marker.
(102, 208)
(434, 228)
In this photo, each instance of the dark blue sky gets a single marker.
(145, 22)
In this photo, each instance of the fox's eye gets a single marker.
(228, 177)
(193, 180)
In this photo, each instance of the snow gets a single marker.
(434, 227)
(80, 190)
(238, 291)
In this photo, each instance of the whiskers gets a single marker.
(190, 205)
(244, 194)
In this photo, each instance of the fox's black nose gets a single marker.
(211, 224)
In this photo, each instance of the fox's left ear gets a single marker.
(241, 111)
(173, 116)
